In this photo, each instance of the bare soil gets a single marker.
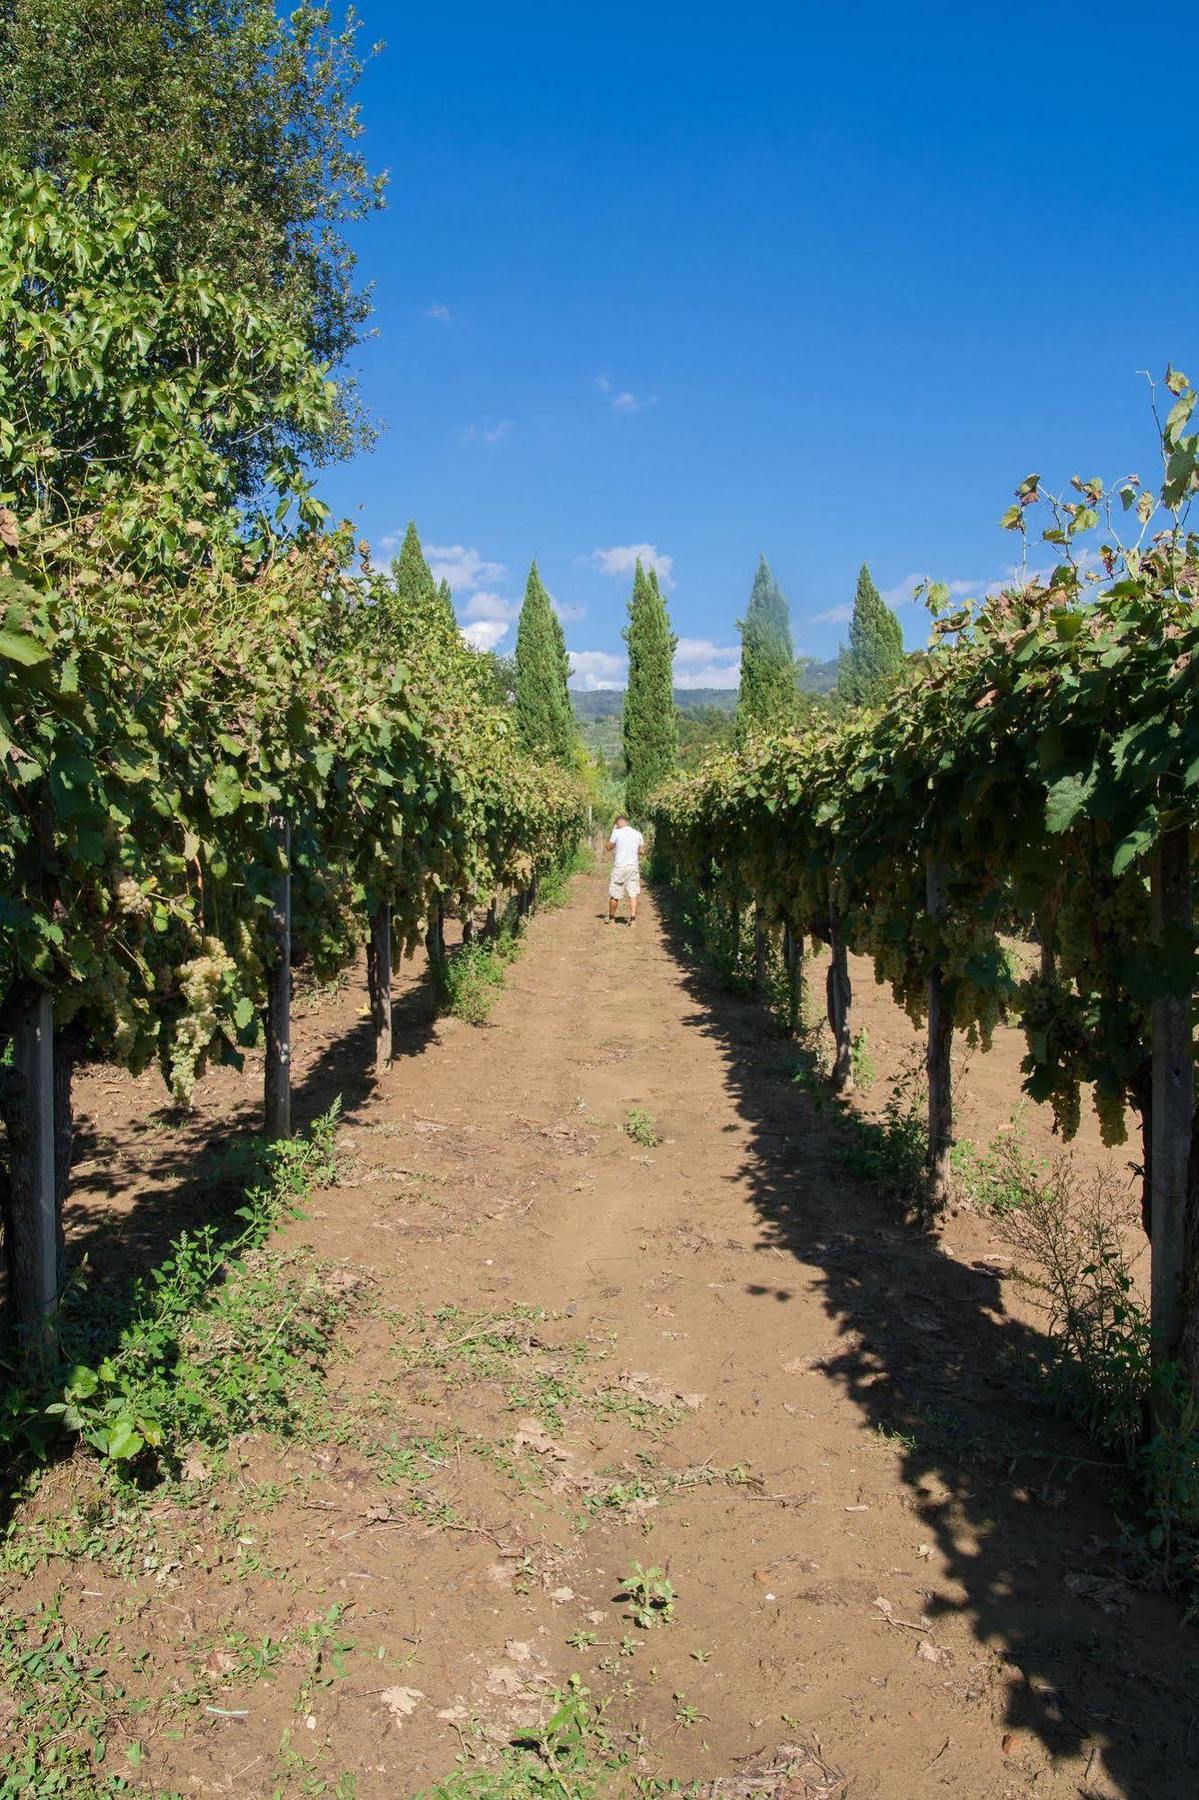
(569, 1352)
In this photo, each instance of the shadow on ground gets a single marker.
(1018, 1503)
(185, 1178)
(191, 1170)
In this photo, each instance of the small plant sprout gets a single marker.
(686, 1713)
(651, 1596)
(701, 1656)
(640, 1126)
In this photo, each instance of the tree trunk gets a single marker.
(468, 927)
(68, 1048)
(378, 981)
(761, 966)
(30, 1202)
(435, 944)
(793, 955)
(277, 1075)
(840, 1006)
(493, 919)
(1190, 1279)
(940, 1051)
(1173, 1104)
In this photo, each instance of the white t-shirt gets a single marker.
(626, 840)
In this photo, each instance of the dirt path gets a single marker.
(570, 1352)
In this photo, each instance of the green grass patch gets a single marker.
(224, 1336)
(573, 1756)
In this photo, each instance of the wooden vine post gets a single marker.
(33, 1211)
(839, 993)
(760, 947)
(435, 944)
(378, 981)
(277, 1078)
(793, 957)
(1173, 1103)
(940, 1047)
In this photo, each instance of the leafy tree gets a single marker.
(123, 376)
(769, 698)
(500, 678)
(875, 653)
(651, 728)
(237, 119)
(544, 716)
(703, 729)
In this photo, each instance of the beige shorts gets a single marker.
(625, 882)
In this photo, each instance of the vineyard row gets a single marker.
(280, 758)
(1036, 773)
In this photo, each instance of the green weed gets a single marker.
(222, 1337)
(474, 978)
(573, 1756)
(862, 1063)
(651, 1596)
(641, 1127)
(554, 886)
(893, 1151)
(998, 1177)
(1098, 1364)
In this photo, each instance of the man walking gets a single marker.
(626, 844)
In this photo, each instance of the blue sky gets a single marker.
(714, 280)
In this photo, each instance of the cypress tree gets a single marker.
(544, 717)
(422, 611)
(651, 725)
(875, 652)
(769, 696)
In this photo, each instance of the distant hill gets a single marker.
(608, 703)
(820, 677)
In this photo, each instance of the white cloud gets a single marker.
(699, 663)
(485, 605)
(624, 400)
(621, 559)
(465, 569)
(484, 634)
(567, 611)
(691, 652)
(592, 669)
(439, 311)
(710, 675)
(836, 615)
(486, 431)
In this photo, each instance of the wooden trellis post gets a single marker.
(378, 978)
(1173, 1101)
(940, 1047)
(793, 956)
(760, 947)
(840, 1005)
(435, 943)
(277, 1077)
(33, 1189)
